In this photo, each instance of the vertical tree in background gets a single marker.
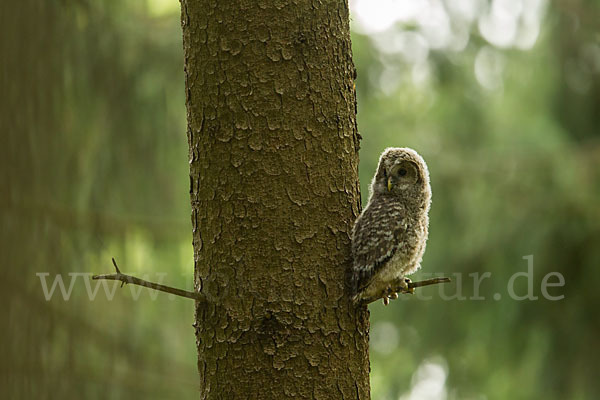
(274, 192)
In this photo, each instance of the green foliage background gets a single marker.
(94, 164)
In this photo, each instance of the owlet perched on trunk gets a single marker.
(388, 239)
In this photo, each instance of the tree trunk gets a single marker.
(274, 192)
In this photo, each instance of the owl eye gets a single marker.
(402, 171)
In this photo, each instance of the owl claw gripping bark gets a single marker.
(389, 236)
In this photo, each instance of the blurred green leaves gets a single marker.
(511, 175)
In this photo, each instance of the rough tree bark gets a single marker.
(274, 192)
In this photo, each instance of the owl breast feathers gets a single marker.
(388, 239)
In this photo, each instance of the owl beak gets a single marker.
(389, 184)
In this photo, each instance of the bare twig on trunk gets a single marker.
(118, 276)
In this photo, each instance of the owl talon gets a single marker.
(393, 296)
(409, 289)
(386, 301)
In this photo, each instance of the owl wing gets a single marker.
(377, 235)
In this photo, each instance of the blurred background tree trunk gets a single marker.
(274, 191)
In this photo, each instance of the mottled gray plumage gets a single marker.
(388, 239)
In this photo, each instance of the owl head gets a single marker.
(402, 172)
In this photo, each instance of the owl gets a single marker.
(389, 236)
